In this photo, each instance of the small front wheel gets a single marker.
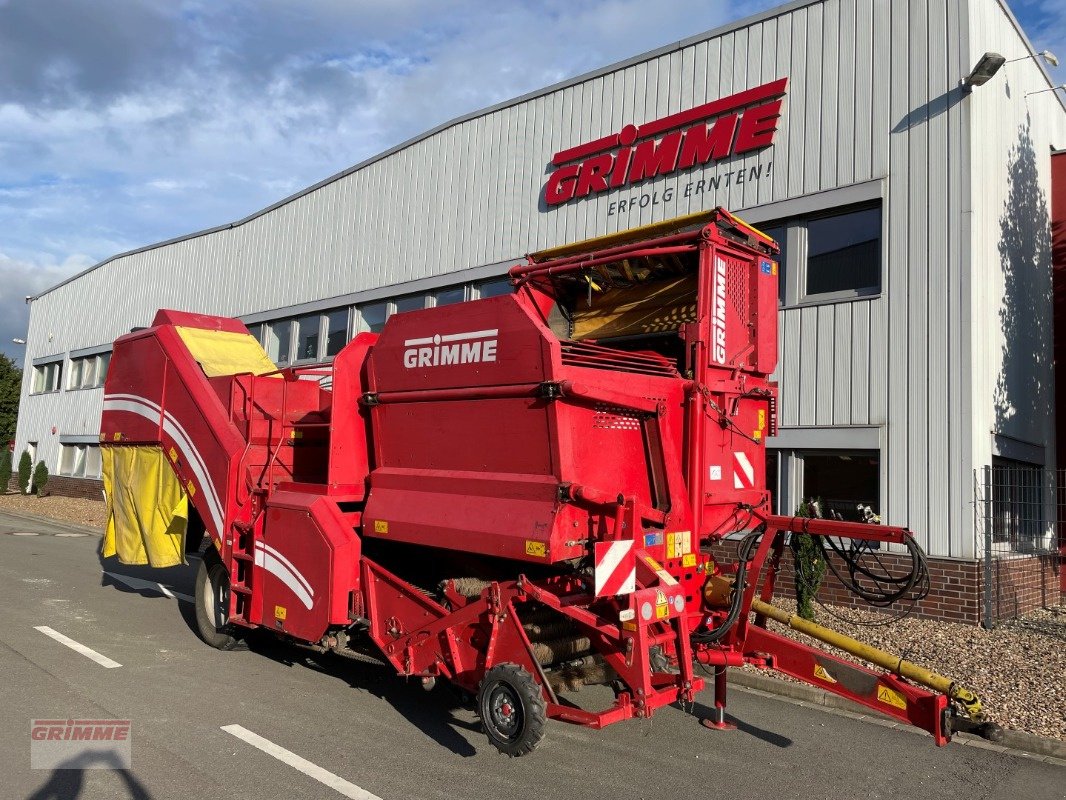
(512, 709)
(212, 603)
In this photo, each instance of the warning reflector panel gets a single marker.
(616, 568)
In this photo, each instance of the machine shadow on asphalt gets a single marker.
(701, 711)
(181, 578)
(431, 712)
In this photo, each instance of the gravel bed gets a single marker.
(76, 510)
(1018, 669)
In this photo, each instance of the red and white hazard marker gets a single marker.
(616, 568)
(743, 472)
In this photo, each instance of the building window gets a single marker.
(453, 294)
(372, 317)
(844, 253)
(308, 334)
(846, 483)
(494, 288)
(278, 339)
(412, 302)
(1017, 503)
(336, 331)
(79, 461)
(88, 372)
(46, 377)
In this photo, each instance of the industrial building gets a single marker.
(906, 176)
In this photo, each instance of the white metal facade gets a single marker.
(874, 111)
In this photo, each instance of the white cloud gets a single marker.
(132, 121)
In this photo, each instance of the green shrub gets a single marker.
(809, 561)
(25, 468)
(40, 478)
(5, 469)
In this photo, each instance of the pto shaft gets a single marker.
(966, 698)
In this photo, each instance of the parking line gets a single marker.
(152, 586)
(77, 647)
(321, 775)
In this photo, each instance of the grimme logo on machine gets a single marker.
(718, 312)
(472, 347)
(731, 126)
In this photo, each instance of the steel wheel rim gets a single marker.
(505, 711)
(216, 599)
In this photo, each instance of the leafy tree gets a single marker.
(810, 562)
(40, 478)
(25, 468)
(5, 469)
(10, 390)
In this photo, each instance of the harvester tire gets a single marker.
(512, 709)
(212, 595)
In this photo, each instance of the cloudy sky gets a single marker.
(126, 122)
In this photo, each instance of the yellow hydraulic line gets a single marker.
(886, 661)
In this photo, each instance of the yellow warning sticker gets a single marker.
(118, 436)
(190, 489)
(891, 697)
(820, 672)
(756, 435)
(173, 454)
(762, 419)
(279, 613)
(689, 561)
(655, 565)
(662, 612)
(678, 543)
(538, 549)
(381, 526)
(660, 597)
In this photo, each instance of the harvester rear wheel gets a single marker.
(512, 709)
(212, 601)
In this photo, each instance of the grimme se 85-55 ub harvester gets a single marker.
(519, 495)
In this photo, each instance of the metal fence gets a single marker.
(1020, 516)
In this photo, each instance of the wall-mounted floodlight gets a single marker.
(984, 70)
(1050, 58)
(19, 341)
(1050, 89)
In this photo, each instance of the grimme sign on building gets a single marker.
(731, 126)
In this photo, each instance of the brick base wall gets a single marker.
(955, 595)
(88, 488)
(1023, 583)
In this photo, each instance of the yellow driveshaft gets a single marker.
(965, 697)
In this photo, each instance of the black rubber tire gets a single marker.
(512, 709)
(212, 591)
(195, 532)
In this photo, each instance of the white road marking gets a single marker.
(77, 647)
(321, 775)
(70, 535)
(24, 533)
(152, 586)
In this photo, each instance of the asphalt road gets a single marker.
(378, 734)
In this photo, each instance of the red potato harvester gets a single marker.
(519, 495)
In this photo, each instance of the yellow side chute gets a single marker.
(147, 507)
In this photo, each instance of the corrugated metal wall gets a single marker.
(873, 93)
